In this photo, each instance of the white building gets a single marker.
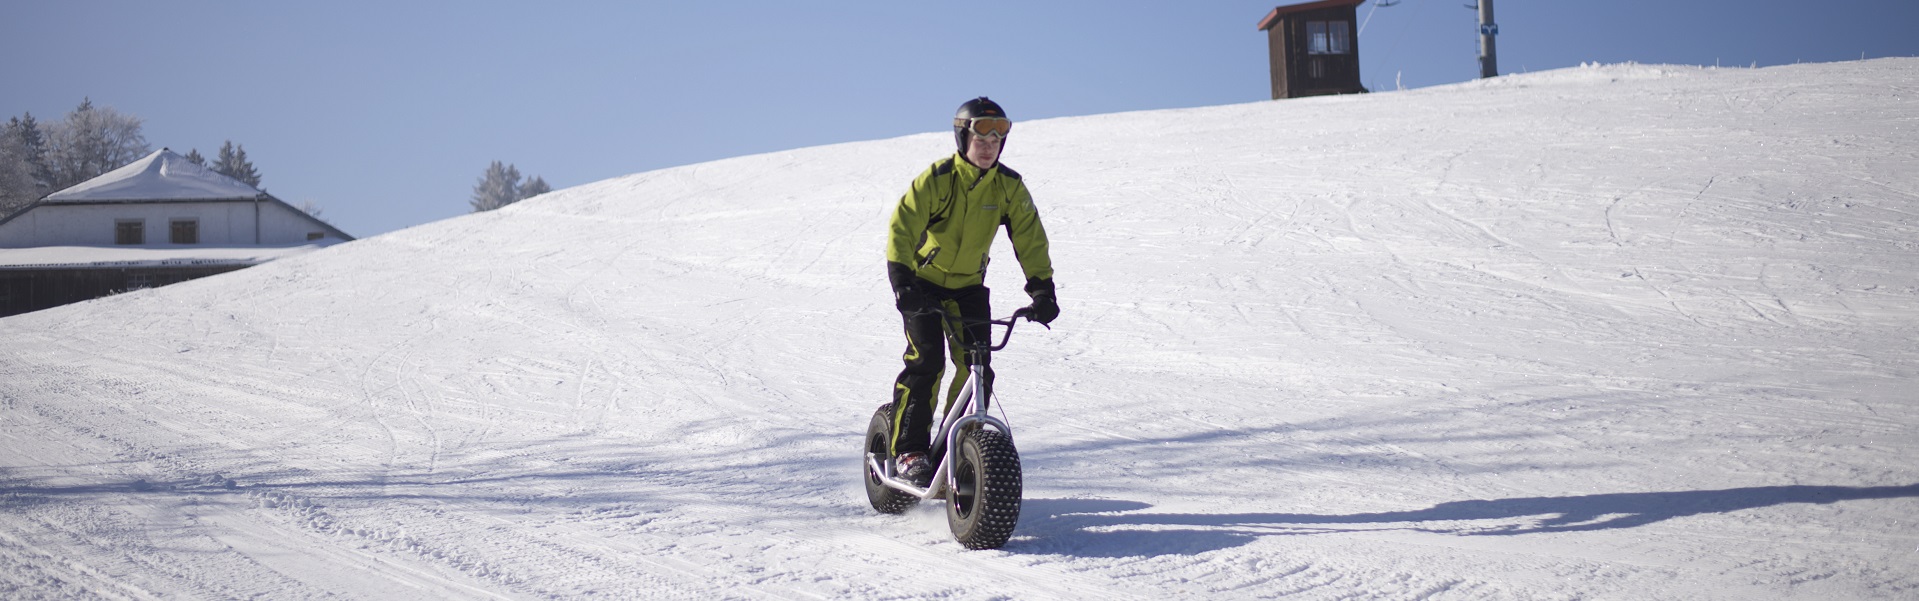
(163, 200)
(157, 221)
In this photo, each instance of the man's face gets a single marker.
(983, 152)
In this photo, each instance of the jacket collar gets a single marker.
(968, 173)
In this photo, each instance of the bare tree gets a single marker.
(312, 209)
(91, 141)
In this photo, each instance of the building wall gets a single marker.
(1276, 48)
(1341, 71)
(221, 223)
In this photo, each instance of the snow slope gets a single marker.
(1616, 332)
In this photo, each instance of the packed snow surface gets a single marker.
(1615, 332)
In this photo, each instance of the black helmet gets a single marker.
(973, 109)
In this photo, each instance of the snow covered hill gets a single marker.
(1618, 332)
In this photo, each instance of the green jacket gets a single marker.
(944, 225)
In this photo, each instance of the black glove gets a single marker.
(908, 296)
(1045, 307)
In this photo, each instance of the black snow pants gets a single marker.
(929, 341)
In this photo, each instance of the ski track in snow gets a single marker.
(1621, 332)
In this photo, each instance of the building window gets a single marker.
(186, 231)
(1329, 37)
(130, 231)
(315, 235)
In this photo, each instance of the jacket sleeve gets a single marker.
(909, 221)
(1028, 236)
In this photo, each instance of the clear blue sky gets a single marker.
(385, 114)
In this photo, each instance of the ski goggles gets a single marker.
(991, 128)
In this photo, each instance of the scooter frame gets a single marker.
(965, 413)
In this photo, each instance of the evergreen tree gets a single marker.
(17, 187)
(33, 148)
(498, 188)
(233, 163)
(193, 156)
(91, 141)
(534, 187)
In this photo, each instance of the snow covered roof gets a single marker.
(161, 176)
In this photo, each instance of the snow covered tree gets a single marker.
(193, 156)
(22, 164)
(498, 188)
(501, 186)
(233, 163)
(91, 141)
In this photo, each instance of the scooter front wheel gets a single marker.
(983, 506)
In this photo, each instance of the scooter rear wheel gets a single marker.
(983, 506)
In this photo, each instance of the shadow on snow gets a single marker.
(1114, 528)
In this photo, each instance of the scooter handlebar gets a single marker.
(1009, 322)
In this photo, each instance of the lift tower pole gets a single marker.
(1488, 55)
